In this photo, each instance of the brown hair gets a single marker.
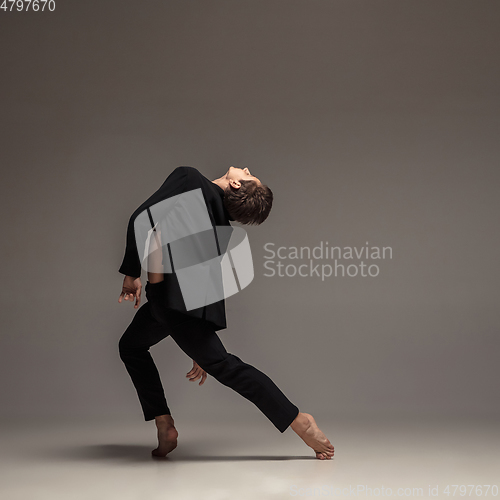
(250, 204)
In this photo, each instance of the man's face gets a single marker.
(239, 174)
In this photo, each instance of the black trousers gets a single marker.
(201, 343)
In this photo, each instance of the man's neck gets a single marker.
(222, 182)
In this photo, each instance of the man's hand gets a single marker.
(196, 373)
(131, 290)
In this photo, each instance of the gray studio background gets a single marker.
(371, 121)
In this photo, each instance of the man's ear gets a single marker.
(234, 184)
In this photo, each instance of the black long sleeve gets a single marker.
(131, 265)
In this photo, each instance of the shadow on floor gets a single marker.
(141, 453)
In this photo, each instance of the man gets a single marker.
(237, 196)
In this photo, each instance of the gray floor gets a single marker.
(106, 460)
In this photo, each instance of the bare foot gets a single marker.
(167, 436)
(305, 427)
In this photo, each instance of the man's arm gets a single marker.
(173, 185)
(131, 265)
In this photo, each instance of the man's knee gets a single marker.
(123, 348)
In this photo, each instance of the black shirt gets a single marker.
(181, 180)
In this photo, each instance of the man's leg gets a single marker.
(143, 332)
(201, 343)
